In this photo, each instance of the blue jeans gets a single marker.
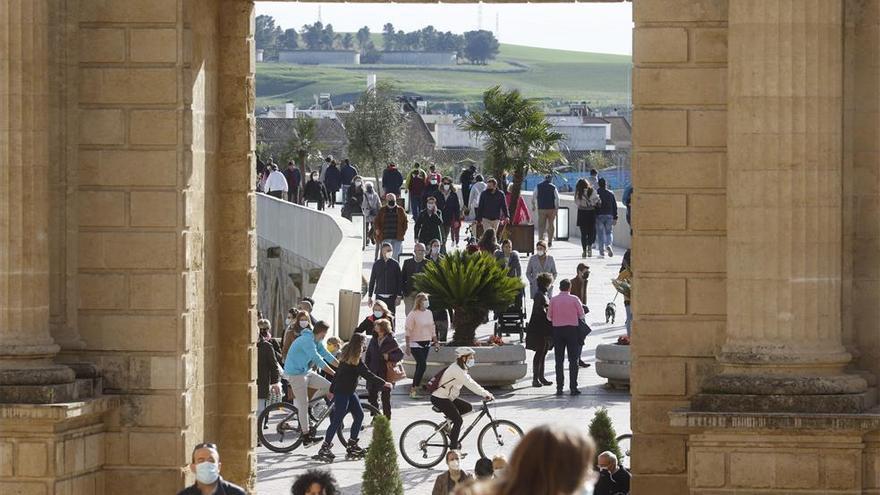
(567, 339)
(345, 404)
(604, 231)
(415, 206)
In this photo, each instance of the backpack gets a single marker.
(434, 383)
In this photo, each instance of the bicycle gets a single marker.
(278, 425)
(624, 442)
(430, 441)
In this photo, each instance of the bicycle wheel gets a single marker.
(499, 437)
(278, 427)
(625, 443)
(423, 444)
(366, 433)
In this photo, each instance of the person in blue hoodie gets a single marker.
(306, 352)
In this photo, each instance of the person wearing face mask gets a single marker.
(390, 224)
(303, 321)
(268, 371)
(415, 185)
(308, 351)
(385, 280)
(546, 202)
(420, 334)
(429, 225)
(314, 191)
(432, 181)
(447, 482)
(540, 262)
(332, 182)
(392, 180)
(509, 258)
(436, 251)
(370, 207)
(412, 267)
(466, 179)
(441, 315)
(347, 175)
(613, 478)
(307, 304)
(476, 191)
(492, 206)
(206, 466)
(579, 289)
(276, 183)
(539, 331)
(566, 313)
(294, 178)
(380, 311)
(450, 210)
(354, 198)
(445, 398)
(382, 352)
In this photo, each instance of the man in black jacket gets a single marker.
(411, 267)
(492, 208)
(385, 280)
(606, 219)
(466, 179)
(392, 180)
(613, 479)
(347, 174)
(206, 465)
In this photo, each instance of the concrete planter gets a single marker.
(495, 366)
(613, 362)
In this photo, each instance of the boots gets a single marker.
(536, 382)
(325, 454)
(353, 451)
(545, 381)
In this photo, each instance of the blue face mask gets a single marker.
(207, 472)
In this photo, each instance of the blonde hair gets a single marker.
(264, 324)
(351, 354)
(421, 297)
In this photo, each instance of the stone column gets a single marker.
(783, 350)
(27, 373)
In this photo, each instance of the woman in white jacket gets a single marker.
(446, 398)
(474, 198)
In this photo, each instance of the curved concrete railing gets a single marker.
(330, 243)
(622, 237)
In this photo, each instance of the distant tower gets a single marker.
(319, 15)
(497, 26)
(480, 16)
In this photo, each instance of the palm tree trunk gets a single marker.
(518, 177)
(465, 322)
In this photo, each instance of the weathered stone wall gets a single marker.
(679, 167)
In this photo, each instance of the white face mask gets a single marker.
(303, 324)
(434, 181)
(357, 183)
(446, 187)
(432, 207)
(427, 304)
(454, 465)
(207, 472)
(288, 321)
(314, 177)
(435, 250)
(540, 252)
(470, 362)
(386, 254)
(378, 314)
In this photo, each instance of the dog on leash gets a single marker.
(610, 312)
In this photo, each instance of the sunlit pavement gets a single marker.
(523, 404)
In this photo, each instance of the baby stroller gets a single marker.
(512, 319)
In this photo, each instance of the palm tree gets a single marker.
(469, 284)
(518, 136)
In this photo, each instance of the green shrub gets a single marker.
(381, 474)
(603, 433)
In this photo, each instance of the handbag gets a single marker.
(394, 372)
(583, 329)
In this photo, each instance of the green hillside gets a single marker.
(542, 73)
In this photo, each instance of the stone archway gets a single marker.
(138, 255)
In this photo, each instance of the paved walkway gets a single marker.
(523, 404)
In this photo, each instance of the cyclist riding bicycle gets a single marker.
(307, 351)
(445, 398)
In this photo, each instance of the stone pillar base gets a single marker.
(54, 448)
(735, 453)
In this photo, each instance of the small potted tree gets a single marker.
(381, 474)
(469, 285)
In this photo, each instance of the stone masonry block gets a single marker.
(707, 469)
(102, 126)
(153, 127)
(660, 211)
(168, 480)
(140, 250)
(153, 291)
(94, 447)
(101, 45)
(23, 488)
(153, 45)
(6, 458)
(707, 128)
(709, 45)
(650, 414)
(32, 460)
(659, 484)
(128, 11)
(153, 410)
(653, 169)
(659, 454)
(154, 209)
(684, 253)
(660, 45)
(707, 296)
(102, 291)
(707, 212)
(748, 470)
(660, 296)
(659, 128)
(678, 338)
(101, 208)
(129, 332)
(659, 377)
(165, 372)
(841, 472)
(153, 448)
(128, 168)
(116, 448)
(679, 10)
(74, 455)
(796, 470)
(127, 85)
(680, 86)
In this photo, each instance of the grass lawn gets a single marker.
(537, 72)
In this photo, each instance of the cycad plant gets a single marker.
(469, 284)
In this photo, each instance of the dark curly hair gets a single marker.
(319, 476)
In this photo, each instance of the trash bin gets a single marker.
(561, 224)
